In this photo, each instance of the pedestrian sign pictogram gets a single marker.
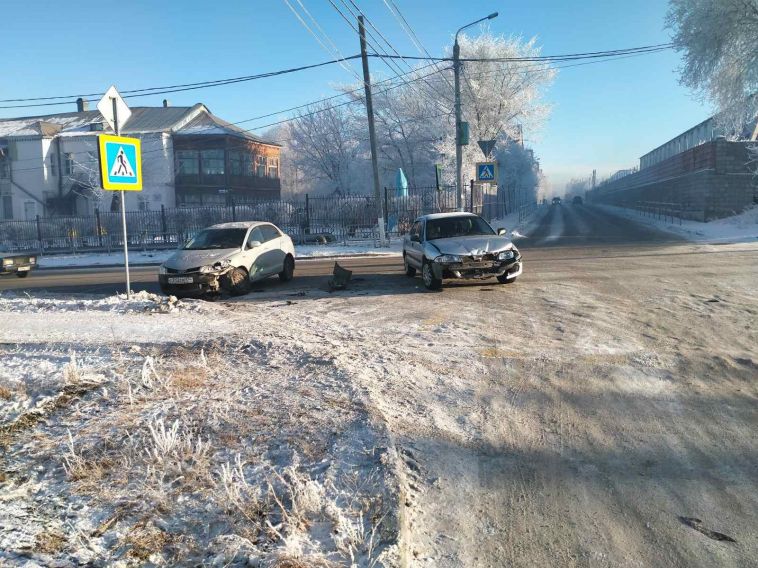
(120, 163)
(486, 171)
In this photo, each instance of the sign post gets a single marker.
(120, 163)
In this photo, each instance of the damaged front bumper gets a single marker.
(482, 269)
(191, 283)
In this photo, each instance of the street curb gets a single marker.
(145, 264)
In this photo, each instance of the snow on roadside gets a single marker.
(735, 229)
(140, 302)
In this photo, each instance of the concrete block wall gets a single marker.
(710, 181)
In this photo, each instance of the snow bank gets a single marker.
(735, 229)
(140, 302)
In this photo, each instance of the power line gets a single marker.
(333, 49)
(398, 15)
(530, 69)
(188, 87)
(133, 93)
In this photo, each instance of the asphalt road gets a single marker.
(589, 231)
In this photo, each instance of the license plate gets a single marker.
(24, 268)
(180, 280)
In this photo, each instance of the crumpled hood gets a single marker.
(184, 259)
(475, 245)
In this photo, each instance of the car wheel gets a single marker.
(503, 280)
(288, 270)
(409, 270)
(22, 274)
(236, 281)
(427, 275)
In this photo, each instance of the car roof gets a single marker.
(445, 215)
(239, 225)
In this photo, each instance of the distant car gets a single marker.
(556, 200)
(459, 245)
(228, 257)
(20, 264)
(577, 200)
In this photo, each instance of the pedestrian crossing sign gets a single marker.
(120, 163)
(486, 171)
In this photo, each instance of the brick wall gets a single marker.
(707, 182)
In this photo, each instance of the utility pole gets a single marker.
(458, 123)
(371, 130)
(458, 147)
(117, 128)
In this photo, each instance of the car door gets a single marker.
(273, 255)
(255, 256)
(415, 251)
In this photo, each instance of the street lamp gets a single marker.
(458, 146)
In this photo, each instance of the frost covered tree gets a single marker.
(325, 147)
(499, 98)
(719, 43)
(518, 173)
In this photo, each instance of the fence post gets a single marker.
(39, 235)
(386, 211)
(99, 227)
(307, 215)
(164, 228)
(471, 185)
(234, 210)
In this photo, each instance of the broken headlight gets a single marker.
(216, 266)
(507, 255)
(448, 258)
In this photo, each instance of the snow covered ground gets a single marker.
(572, 418)
(735, 229)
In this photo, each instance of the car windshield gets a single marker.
(463, 226)
(217, 239)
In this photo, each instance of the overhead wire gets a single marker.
(531, 69)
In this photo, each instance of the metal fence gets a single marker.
(659, 210)
(340, 218)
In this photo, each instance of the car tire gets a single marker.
(288, 269)
(504, 280)
(22, 274)
(427, 275)
(236, 281)
(409, 270)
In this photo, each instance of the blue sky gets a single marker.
(604, 116)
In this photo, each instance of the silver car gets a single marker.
(229, 256)
(459, 245)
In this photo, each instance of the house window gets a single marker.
(273, 167)
(237, 163)
(260, 166)
(68, 163)
(213, 162)
(187, 162)
(30, 210)
(7, 203)
(53, 165)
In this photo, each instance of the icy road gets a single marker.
(602, 411)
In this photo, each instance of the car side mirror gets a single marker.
(502, 231)
(253, 244)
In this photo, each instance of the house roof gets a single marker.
(196, 120)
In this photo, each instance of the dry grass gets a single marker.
(50, 542)
(145, 539)
(5, 393)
